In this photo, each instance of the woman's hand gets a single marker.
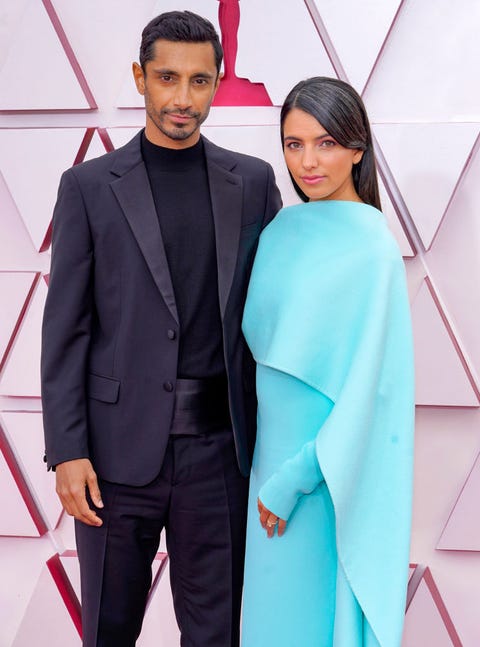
(270, 520)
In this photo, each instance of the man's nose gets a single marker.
(182, 98)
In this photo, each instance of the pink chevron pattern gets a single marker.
(431, 620)
(60, 106)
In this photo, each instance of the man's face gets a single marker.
(179, 84)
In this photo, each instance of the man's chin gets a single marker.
(179, 133)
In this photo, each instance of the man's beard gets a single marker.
(180, 131)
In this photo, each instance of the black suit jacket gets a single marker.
(110, 329)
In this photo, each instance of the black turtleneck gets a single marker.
(179, 182)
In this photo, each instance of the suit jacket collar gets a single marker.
(226, 190)
(132, 189)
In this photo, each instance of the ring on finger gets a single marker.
(271, 523)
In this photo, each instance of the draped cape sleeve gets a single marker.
(328, 304)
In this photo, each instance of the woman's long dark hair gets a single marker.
(340, 110)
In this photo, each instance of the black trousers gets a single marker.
(200, 498)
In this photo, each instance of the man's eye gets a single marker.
(200, 81)
(166, 78)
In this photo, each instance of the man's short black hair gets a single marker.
(180, 27)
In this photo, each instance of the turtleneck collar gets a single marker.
(172, 159)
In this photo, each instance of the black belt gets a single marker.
(201, 405)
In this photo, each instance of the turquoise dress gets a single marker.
(327, 320)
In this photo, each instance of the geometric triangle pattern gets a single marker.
(17, 252)
(33, 182)
(427, 161)
(462, 530)
(21, 376)
(26, 438)
(345, 32)
(423, 74)
(65, 530)
(19, 522)
(17, 490)
(96, 147)
(15, 293)
(21, 562)
(120, 136)
(441, 375)
(454, 258)
(65, 572)
(394, 221)
(41, 76)
(427, 621)
(49, 615)
(71, 569)
(412, 62)
(66, 590)
(261, 63)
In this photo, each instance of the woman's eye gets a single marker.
(293, 146)
(327, 143)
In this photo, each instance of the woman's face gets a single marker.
(319, 165)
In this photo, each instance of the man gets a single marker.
(148, 386)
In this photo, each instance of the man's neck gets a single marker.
(155, 136)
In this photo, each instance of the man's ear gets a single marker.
(139, 77)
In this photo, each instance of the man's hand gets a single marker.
(269, 520)
(73, 477)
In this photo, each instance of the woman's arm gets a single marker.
(296, 477)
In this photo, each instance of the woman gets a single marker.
(327, 320)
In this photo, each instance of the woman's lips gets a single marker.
(312, 179)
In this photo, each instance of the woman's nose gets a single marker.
(309, 159)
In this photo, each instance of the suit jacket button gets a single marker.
(168, 386)
(171, 334)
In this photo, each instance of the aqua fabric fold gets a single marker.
(328, 305)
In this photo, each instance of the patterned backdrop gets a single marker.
(67, 95)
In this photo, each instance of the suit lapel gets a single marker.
(226, 196)
(132, 189)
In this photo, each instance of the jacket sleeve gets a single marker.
(66, 327)
(273, 202)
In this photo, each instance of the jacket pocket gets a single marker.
(101, 388)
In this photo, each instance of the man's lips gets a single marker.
(180, 117)
(312, 179)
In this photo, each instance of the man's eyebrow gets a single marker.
(203, 75)
(168, 72)
(164, 70)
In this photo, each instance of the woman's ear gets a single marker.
(357, 157)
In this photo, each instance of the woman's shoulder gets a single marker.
(367, 228)
(336, 224)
